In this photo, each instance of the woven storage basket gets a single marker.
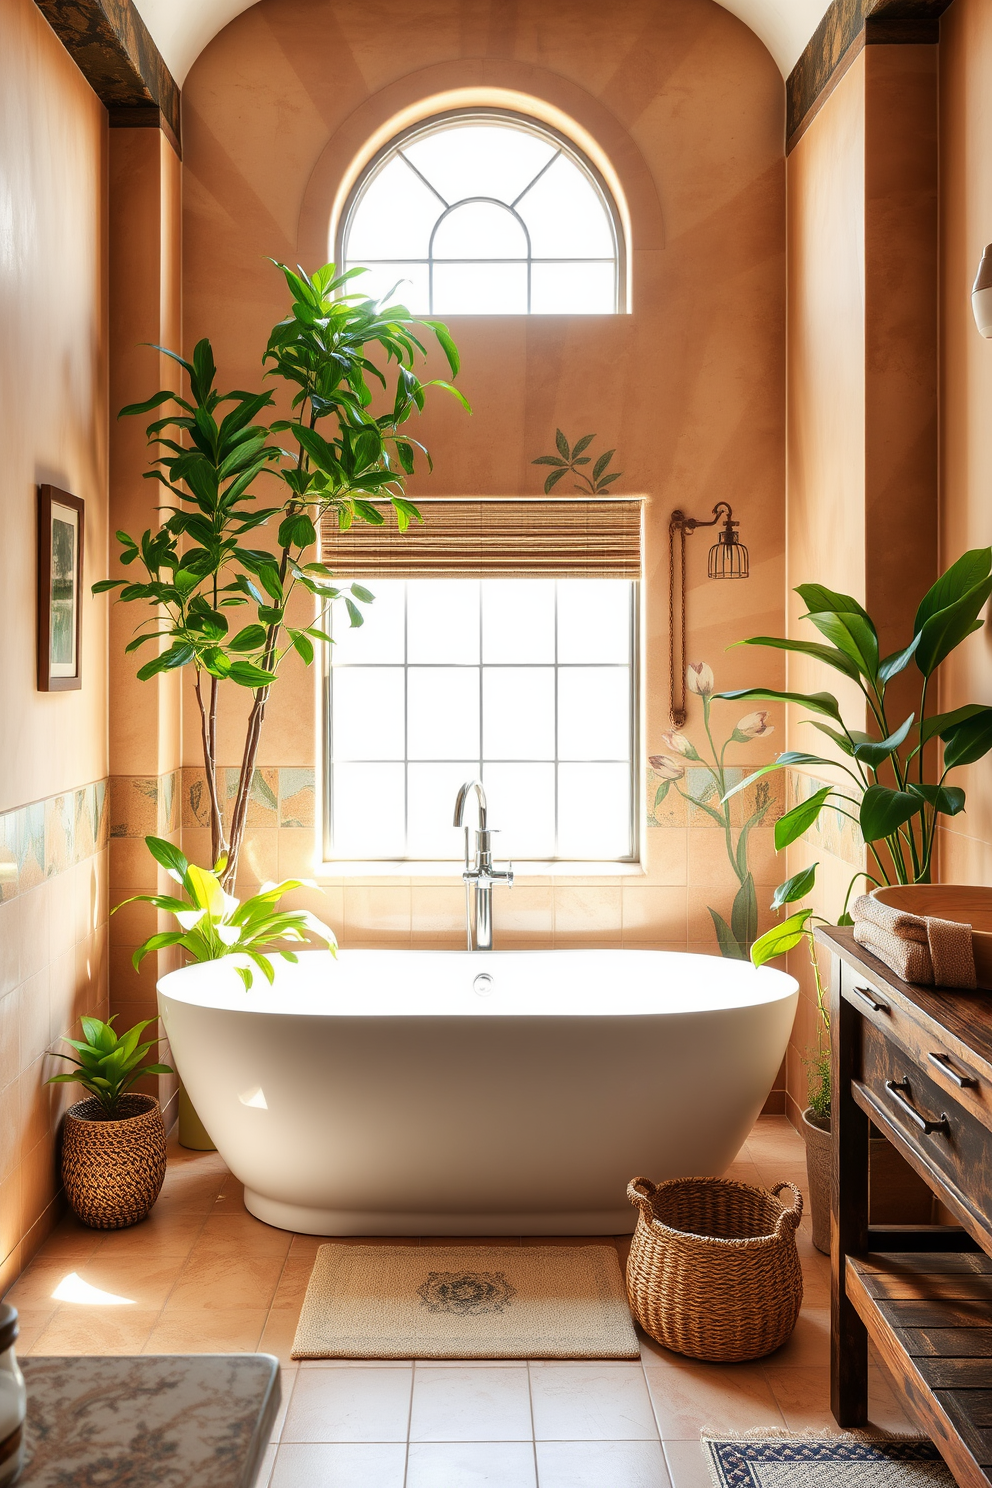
(113, 1170)
(713, 1270)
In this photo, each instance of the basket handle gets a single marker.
(790, 1217)
(641, 1191)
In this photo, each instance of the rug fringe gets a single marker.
(774, 1433)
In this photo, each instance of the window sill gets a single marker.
(453, 869)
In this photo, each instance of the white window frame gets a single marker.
(516, 120)
(401, 867)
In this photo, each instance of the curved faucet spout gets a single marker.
(463, 794)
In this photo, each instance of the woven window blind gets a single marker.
(495, 537)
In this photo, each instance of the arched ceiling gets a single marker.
(182, 28)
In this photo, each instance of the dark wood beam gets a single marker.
(111, 46)
(847, 26)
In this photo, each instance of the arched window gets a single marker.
(485, 213)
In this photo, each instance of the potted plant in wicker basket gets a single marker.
(113, 1142)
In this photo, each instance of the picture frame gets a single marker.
(61, 524)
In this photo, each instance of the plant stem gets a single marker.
(208, 732)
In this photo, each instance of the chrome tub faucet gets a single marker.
(479, 873)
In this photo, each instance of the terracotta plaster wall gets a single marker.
(966, 390)
(53, 427)
(688, 107)
(861, 513)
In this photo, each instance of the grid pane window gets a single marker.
(528, 684)
(484, 213)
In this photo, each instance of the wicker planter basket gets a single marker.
(113, 1170)
(713, 1270)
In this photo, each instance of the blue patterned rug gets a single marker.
(825, 1462)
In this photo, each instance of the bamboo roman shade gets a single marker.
(495, 537)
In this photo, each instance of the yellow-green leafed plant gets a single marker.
(109, 1065)
(215, 924)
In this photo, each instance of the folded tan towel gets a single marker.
(918, 948)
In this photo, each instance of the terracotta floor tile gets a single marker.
(243, 1228)
(72, 1238)
(205, 1331)
(803, 1396)
(224, 1277)
(278, 1334)
(690, 1397)
(687, 1465)
(339, 1465)
(96, 1330)
(615, 1464)
(144, 1282)
(163, 1233)
(293, 1281)
(809, 1346)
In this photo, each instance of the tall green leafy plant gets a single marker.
(896, 786)
(216, 593)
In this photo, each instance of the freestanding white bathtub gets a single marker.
(459, 1093)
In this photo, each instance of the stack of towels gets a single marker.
(918, 948)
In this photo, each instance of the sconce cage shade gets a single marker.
(728, 558)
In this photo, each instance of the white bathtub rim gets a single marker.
(216, 985)
(347, 1223)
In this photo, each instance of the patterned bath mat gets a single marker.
(803, 1461)
(466, 1302)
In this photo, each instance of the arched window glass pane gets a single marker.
(484, 214)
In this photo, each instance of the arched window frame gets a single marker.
(436, 123)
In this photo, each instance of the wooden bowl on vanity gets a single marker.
(969, 904)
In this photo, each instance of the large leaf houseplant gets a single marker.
(217, 579)
(895, 774)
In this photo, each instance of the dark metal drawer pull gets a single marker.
(873, 1003)
(895, 1089)
(943, 1063)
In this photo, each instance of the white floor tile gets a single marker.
(349, 1405)
(608, 1464)
(589, 1402)
(451, 1405)
(341, 1465)
(471, 1465)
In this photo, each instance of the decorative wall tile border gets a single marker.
(281, 796)
(45, 838)
(832, 832)
(675, 811)
(144, 805)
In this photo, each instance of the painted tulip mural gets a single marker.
(704, 780)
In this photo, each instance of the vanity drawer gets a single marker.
(950, 1141)
(931, 1050)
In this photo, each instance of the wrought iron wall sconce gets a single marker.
(727, 560)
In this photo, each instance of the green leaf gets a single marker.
(753, 820)
(303, 645)
(942, 725)
(553, 480)
(962, 576)
(820, 702)
(795, 822)
(365, 595)
(169, 856)
(780, 938)
(947, 799)
(744, 914)
(790, 757)
(968, 741)
(796, 887)
(155, 401)
(876, 753)
(446, 344)
(883, 811)
(601, 464)
(661, 793)
(819, 601)
(246, 674)
(828, 654)
(252, 638)
(562, 444)
(729, 945)
(895, 663)
(582, 444)
(946, 629)
(853, 634)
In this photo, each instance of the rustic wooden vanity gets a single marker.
(916, 1063)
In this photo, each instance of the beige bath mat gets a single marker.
(465, 1302)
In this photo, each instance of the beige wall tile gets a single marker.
(588, 916)
(653, 914)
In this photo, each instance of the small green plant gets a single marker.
(214, 924)
(109, 1065)
(785, 937)
(568, 462)
(734, 939)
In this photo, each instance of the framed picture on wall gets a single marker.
(60, 590)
